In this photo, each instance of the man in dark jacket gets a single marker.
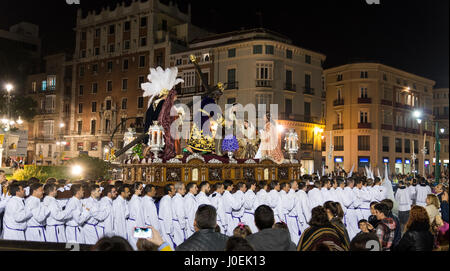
(268, 238)
(205, 238)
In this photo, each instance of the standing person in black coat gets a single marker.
(418, 236)
(205, 237)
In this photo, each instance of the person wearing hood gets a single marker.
(402, 196)
(268, 238)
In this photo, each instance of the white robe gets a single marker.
(55, 229)
(15, 219)
(150, 213)
(238, 214)
(217, 202)
(179, 219)
(366, 198)
(315, 198)
(262, 198)
(135, 219)
(289, 209)
(91, 231)
(421, 195)
(274, 203)
(412, 193)
(353, 213)
(303, 207)
(190, 209)
(36, 224)
(379, 193)
(230, 204)
(120, 213)
(165, 217)
(249, 210)
(202, 199)
(73, 226)
(403, 199)
(107, 225)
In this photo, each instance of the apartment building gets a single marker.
(441, 115)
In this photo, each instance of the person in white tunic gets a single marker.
(366, 198)
(380, 191)
(202, 197)
(55, 230)
(217, 202)
(79, 215)
(422, 191)
(249, 206)
(262, 195)
(289, 203)
(238, 214)
(412, 191)
(352, 217)
(165, 215)
(402, 197)
(136, 217)
(190, 209)
(229, 204)
(121, 211)
(91, 231)
(106, 203)
(326, 192)
(36, 225)
(315, 196)
(303, 207)
(286, 203)
(149, 208)
(274, 200)
(16, 215)
(179, 214)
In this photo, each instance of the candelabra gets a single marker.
(156, 140)
(291, 145)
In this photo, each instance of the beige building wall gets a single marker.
(441, 115)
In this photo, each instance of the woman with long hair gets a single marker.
(418, 236)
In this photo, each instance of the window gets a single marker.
(97, 33)
(94, 107)
(363, 92)
(143, 41)
(416, 146)
(94, 88)
(289, 79)
(288, 53)
(97, 51)
(398, 145)
(384, 77)
(385, 144)
(107, 125)
(288, 107)
(80, 127)
(80, 108)
(189, 78)
(308, 59)
(80, 146)
(81, 92)
(111, 48)
(159, 60)
(363, 143)
(110, 66)
(127, 26)
(427, 146)
(48, 128)
(363, 117)
(94, 145)
(364, 74)
(126, 44)
(141, 81)
(269, 50)
(307, 110)
(232, 52)
(231, 78)
(257, 49)
(141, 61)
(83, 35)
(124, 103)
(51, 82)
(125, 64)
(339, 143)
(33, 86)
(307, 81)
(94, 68)
(164, 25)
(407, 146)
(265, 99)
(44, 85)
(124, 84)
(93, 124)
(83, 54)
(109, 86)
(81, 70)
(339, 77)
(141, 102)
(108, 105)
(112, 29)
(264, 70)
(179, 62)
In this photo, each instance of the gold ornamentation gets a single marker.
(193, 58)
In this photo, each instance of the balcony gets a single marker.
(232, 85)
(338, 126)
(339, 148)
(364, 125)
(299, 118)
(386, 127)
(400, 129)
(386, 102)
(290, 87)
(428, 133)
(338, 102)
(306, 147)
(308, 91)
(263, 83)
(364, 100)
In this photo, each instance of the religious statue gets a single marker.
(270, 142)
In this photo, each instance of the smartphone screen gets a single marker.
(142, 233)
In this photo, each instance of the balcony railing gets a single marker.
(338, 102)
(428, 133)
(308, 91)
(364, 125)
(364, 100)
(386, 127)
(232, 85)
(264, 83)
(290, 87)
(338, 126)
(400, 129)
(386, 102)
(300, 118)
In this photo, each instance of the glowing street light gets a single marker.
(77, 170)
(280, 128)
(20, 121)
(9, 87)
(442, 130)
(417, 114)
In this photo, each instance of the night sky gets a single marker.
(407, 34)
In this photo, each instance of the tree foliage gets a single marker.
(93, 168)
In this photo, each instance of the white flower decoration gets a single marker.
(160, 80)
